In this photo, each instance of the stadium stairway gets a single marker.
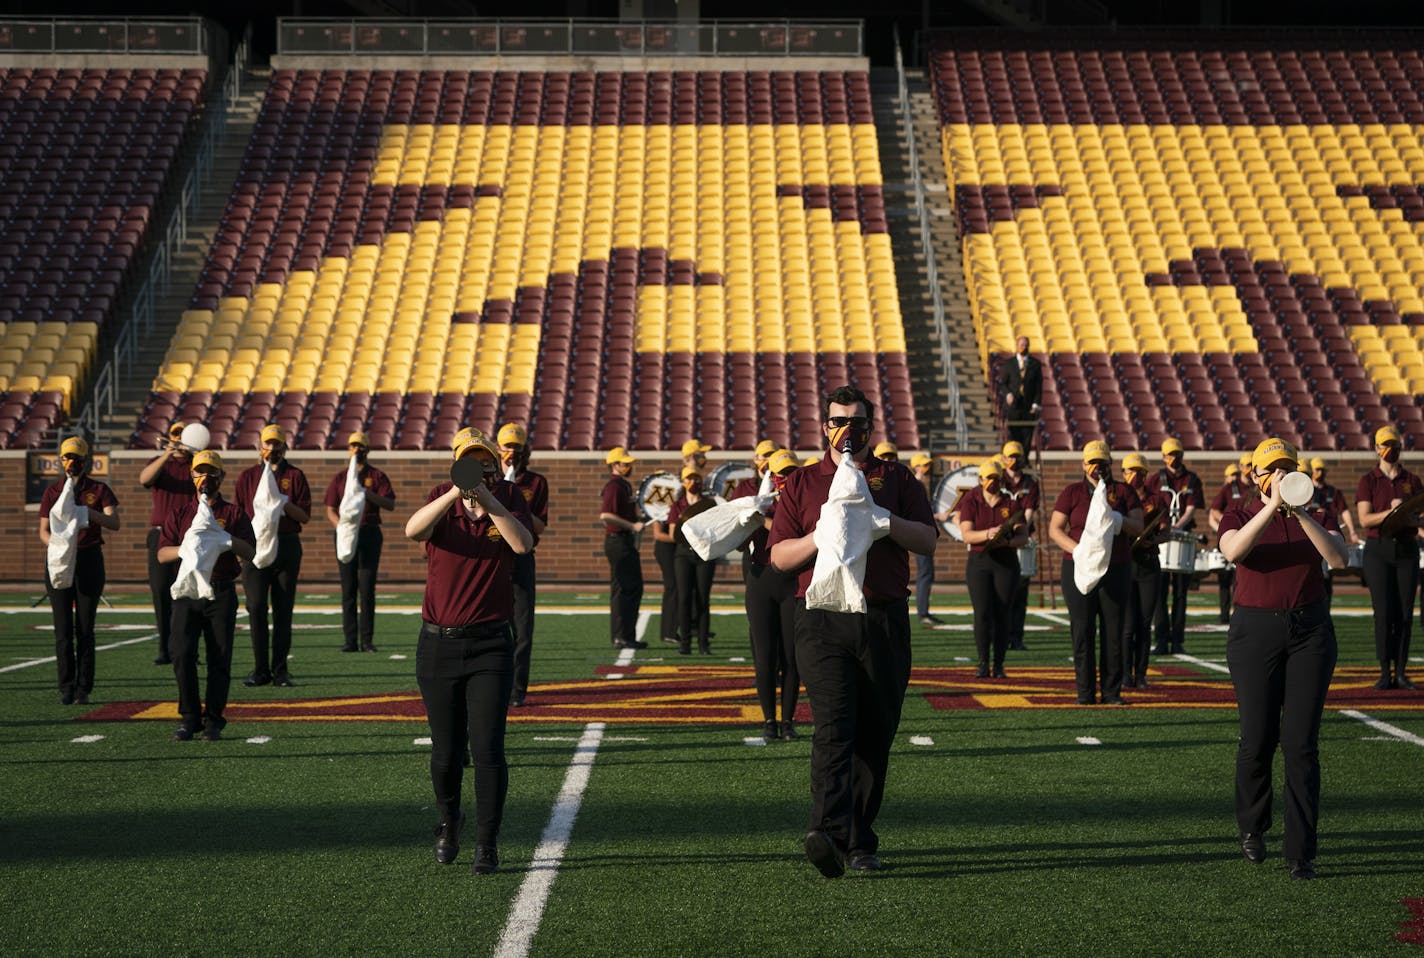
(188, 264)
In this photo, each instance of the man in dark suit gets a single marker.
(1021, 386)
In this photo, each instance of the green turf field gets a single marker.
(1006, 831)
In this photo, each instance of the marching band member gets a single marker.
(1185, 488)
(1233, 492)
(1146, 575)
(1108, 599)
(620, 526)
(1281, 651)
(1391, 560)
(167, 475)
(887, 451)
(514, 458)
(1332, 501)
(465, 655)
(694, 573)
(993, 526)
(1023, 488)
(358, 576)
(922, 465)
(76, 606)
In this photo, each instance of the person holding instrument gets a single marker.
(167, 475)
(1281, 651)
(694, 573)
(620, 547)
(1233, 493)
(1391, 556)
(993, 527)
(1146, 573)
(358, 573)
(472, 527)
(1024, 489)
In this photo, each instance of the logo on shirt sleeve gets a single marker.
(876, 483)
(366, 482)
(91, 498)
(528, 494)
(493, 534)
(286, 484)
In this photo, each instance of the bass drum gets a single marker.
(657, 494)
(947, 493)
(721, 481)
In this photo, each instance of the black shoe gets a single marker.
(1179, 650)
(629, 644)
(822, 852)
(1383, 682)
(1087, 700)
(258, 678)
(770, 731)
(368, 647)
(998, 672)
(929, 621)
(865, 862)
(1253, 847)
(788, 731)
(81, 698)
(704, 649)
(982, 672)
(348, 648)
(183, 733)
(671, 640)
(516, 700)
(163, 660)
(283, 680)
(447, 840)
(1159, 650)
(211, 732)
(66, 698)
(684, 649)
(486, 860)
(1142, 681)
(1401, 681)
(1019, 646)
(1301, 869)
(1129, 683)
(1115, 700)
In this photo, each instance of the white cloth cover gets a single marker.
(202, 544)
(850, 522)
(267, 503)
(67, 518)
(1094, 549)
(724, 527)
(349, 513)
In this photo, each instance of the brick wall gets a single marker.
(571, 551)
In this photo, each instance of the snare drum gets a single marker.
(1179, 553)
(1215, 561)
(1028, 559)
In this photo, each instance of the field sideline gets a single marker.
(1013, 823)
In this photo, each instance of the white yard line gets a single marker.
(100, 648)
(1202, 663)
(1088, 740)
(1385, 727)
(528, 909)
(1051, 617)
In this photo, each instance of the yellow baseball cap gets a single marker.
(1245, 461)
(175, 429)
(207, 457)
(1271, 453)
(512, 434)
(1134, 460)
(690, 472)
(1316, 464)
(617, 454)
(1014, 448)
(476, 440)
(74, 446)
(765, 448)
(1303, 466)
(781, 460)
(1232, 469)
(1386, 434)
(693, 446)
(460, 437)
(920, 459)
(1097, 451)
(810, 460)
(886, 449)
(1172, 445)
(990, 467)
(358, 438)
(274, 432)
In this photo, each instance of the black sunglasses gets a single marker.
(840, 422)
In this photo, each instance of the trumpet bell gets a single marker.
(1297, 489)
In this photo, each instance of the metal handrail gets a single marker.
(951, 379)
(134, 35)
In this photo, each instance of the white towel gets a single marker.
(202, 544)
(850, 522)
(267, 503)
(717, 531)
(348, 515)
(1094, 549)
(67, 518)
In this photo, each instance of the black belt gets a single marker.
(475, 630)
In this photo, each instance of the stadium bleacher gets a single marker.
(623, 258)
(1216, 243)
(84, 155)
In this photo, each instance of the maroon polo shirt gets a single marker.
(1186, 482)
(535, 489)
(1025, 491)
(1073, 502)
(682, 509)
(1330, 500)
(468, 563)
(87, 492)
(373, 479)
(974, 508)
(1282, 571)
(228, 514)
(291, 482)
(1380, 490)
(1233, 493)
(172, 488)
(892, 485)
(755, 548)
(618, 499)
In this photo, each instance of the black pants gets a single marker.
(694, 593)
(215, 620)
(856, 667)
(75, 610)
(771, 619)
(1018, 611)
(924, 583)
(992, 577)
(1281, 662)
(1171, 614)
(1108, 601)
(279, 580)
(465, 683)
(1226, 586)
(625, 585)
(160, 581)
(358, 579)
(1142, 602)
(1392, 575)
(666, 555)
(523, 622)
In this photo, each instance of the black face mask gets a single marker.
(361, 455)
(208, 485)
(850, 439)
(74, 468)
(1391, 455)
